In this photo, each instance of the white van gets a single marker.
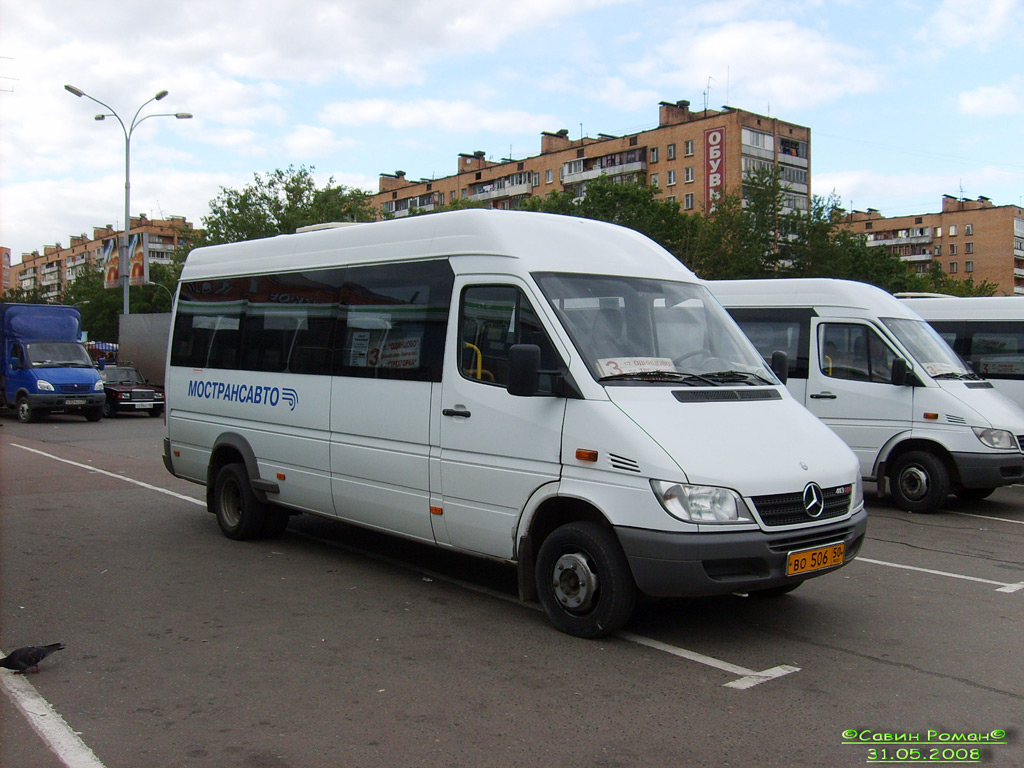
(556, 393)
(986, 331)
(921, 422)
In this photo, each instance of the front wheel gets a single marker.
(239, 513)
(583, 580)
(919, 482)
(26, 413)
(95, 413)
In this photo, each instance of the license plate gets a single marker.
(143, 405)
(815, 559)
(75, 401)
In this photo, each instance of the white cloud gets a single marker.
(991, 100)
(962, 23)
(308, 142)
(451, 116)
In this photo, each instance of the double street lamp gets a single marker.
(125, 256)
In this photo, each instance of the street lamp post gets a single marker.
(128, 130)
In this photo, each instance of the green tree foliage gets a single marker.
(278, 203)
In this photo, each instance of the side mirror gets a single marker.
(523, 370)
(780, 365)
(898, 375)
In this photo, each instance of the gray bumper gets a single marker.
(57, 402)
(700, 564)
(980, 470)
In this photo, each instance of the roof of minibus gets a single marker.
(810, 292)
(969, 308)
(526, 241)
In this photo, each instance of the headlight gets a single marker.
(44, 386)
(701, 503)
(996, 438)
(858, 493)
(98, 386)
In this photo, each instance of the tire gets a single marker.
(108, 409)
(95, 413)
(583, 580)
(239, 513)
(919, 482)
(974, 494)
(155, 412)
(26, 413)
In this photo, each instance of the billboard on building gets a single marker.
(714, 166)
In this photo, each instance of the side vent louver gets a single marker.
(621, 462)
(955, 419)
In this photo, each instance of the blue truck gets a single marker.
(45, 366)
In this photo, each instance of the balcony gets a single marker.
(611, 170)
(498, 189)
(917, 257)
(1018, 272)
(418, 208)
(915, 240)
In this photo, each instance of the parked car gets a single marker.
(128, 390)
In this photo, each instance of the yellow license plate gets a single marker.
(815, 559)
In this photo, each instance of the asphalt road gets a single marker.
(330, 646)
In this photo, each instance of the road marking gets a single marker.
(91, 468)
(50, 726)
(749, 678)
(988, 517)
(1003, 586)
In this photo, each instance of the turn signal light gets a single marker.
(585, 454)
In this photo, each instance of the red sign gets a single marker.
(714, 166)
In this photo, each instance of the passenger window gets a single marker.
(493, 318)
(856, 352)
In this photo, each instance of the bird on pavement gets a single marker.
(24, 659)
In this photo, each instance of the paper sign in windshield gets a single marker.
(615, 366)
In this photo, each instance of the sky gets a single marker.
(906, 100)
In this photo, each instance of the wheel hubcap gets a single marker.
(231, 504)
(914, 483)
(574, 581)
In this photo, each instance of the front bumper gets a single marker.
(60, 402)
(979, 470)
(702, 564)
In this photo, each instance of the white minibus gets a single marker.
(986, 331)
(556, 393)
(922, 423)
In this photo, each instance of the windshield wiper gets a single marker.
(645, 376)
(736, 376)
(956, 376)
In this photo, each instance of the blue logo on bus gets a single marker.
(254, 394)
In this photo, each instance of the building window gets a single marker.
(969, 247)
(632, 141)
(519, 167)
(952, 249)
(688, 202)
(952, 230)
(671, 151)
(869, 225)
(671, 178)
(580, 153)
(688, 147)
(688, 174)
(654, 154)
(549, 176)
(671, 198)
(654, 179)
(918, 220)
(938, 250)
(952, 267)
(968, 266)
(968, 229)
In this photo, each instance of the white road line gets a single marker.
(1003, 586)
(988, 517)
(91, 468)
(50, 726)
(749, 678)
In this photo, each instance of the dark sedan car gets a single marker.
(128, 390)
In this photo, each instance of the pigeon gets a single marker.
(24, 659)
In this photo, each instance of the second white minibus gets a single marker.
(986, 331)
(922, 423)
(556, 393)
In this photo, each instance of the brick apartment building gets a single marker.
(58, 266)
(692, 156)
(968, 238)
(5, 271)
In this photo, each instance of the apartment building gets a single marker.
(692, 156)
(5, 271)
(968, 238)
(57, 265)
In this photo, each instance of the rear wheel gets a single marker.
(919, 482)
(239, 513)
(583, 580)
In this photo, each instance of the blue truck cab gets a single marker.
(45, 367)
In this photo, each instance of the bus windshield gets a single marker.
(640, 329)
(928, 348)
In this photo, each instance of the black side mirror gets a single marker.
(780, 365)
(898, 375)
(523, 370)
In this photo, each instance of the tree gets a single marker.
(278, 203)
